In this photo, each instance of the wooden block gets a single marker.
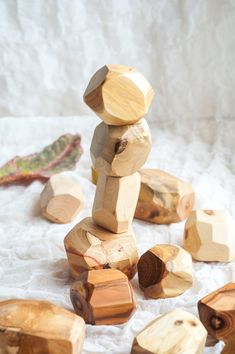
(163, 199)
(88, 247)
(177, 332)
(119, 94)
(120, 151)
(39, 327)
(209, 236)
(115, 201)
(103, 297)
(165, 271)
(61, 199)
(230, 345)
(217, 312)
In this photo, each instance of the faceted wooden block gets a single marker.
(120, 151)
(177, 332)
(88, 247)
(165, 271)
(61, 199)
(119, 94)
(163, 199)
(103, 297)
(115, 201)
(39, 327)
(217, 312)
(210, 236)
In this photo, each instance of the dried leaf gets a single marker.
(61, 155)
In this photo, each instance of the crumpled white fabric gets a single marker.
(33, 262)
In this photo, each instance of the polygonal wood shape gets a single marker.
(177, 332)
(88, 247)
(217, 312)
(120, 151)
(39, 327)
(165, 271)
(118, 94)
(115, 201)
(163, 199)
(210, 236)
(103, 297)
(61, 199)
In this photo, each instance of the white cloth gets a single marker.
(33, 262)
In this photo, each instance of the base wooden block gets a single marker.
(177, 332)
(89, 246)
(165, 271)
(163, 199)
(39, 327)
(230, 345)
(103, 297)
(217, 312)
(61, 199)
(120, 151)
(209, 236)
(115, 201)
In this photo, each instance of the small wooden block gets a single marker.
(61, 199)
(39, 327)
(88, 247)
(177, 332)
(120, 151)
(115, 201)
(217, 312)
(230, 345)
(165, 271)
(103, 297)
(209, 236)
(163, 199)
(119, 94)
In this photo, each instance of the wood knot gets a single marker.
(209, 212)
(216, 322)
(193, 323)
(120, 146)
(179, 322)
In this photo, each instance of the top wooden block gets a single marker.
(119, 94)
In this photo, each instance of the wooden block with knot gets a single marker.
(103, 297)
(115, 201)
(119, 94)
(165, 271)
(61, 199)
(39, 327)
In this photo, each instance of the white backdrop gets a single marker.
(50, 48)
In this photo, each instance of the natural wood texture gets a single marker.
(163, 199)
(217, 312)
(61, 199)
(230, 345)
(165, 271)
(119, 94)
(39, 327)
(115, 201)
(103, 297)
(120, 151)
(94, 176)
(210, 236)
(177, 332)
(88, 247)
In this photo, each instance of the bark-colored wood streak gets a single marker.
(89, 247)
(217, 312)
(165, 271)
(103, 297)
(39, 327)
(177, 332)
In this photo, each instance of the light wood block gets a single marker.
(119, 94)
(61, 199)
(115, 201)
(210, 236)
(165, 271)
(230, 345)
(39, 327)
(177, 332)
(120, 151)
(89, 247)
(217, 312)
(163, 199)
(103, 297)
